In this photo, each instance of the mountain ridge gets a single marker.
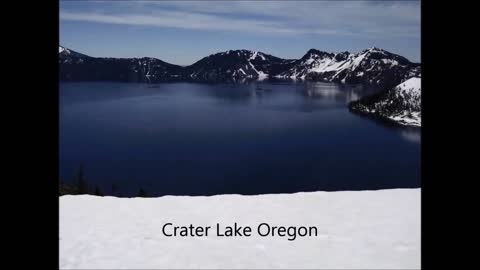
(372, 66)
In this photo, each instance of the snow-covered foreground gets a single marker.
(356, 229)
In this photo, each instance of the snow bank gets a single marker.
(357, 229)
(410, 89)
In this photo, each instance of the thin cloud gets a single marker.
(185, 20)
(345, 18)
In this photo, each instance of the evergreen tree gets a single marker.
(61, 188)
(82, 186)
(142, 193)
(114, 188)
(97, 191)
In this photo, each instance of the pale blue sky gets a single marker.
(182, 32)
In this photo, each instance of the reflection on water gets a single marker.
(335, 92)
(411, 134)
(327, 95)
(248, 138)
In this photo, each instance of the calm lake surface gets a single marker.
(206, 139)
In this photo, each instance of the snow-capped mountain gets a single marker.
(237, 64)
(313, 61)
(75, 66)
(402, 104)
(372, 66)
(67, 52)
(70, 56)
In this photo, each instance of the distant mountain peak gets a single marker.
(63, 49)
(317, 52)
(238, 51)
(373, 50)
(373, 66)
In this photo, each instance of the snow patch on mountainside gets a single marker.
(63, 50)
(410, 90)
(408, 118)
(401, 104)
(356, 229)
(256, 54)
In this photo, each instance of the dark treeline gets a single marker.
(80, 186)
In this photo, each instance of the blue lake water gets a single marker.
(252, 138)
